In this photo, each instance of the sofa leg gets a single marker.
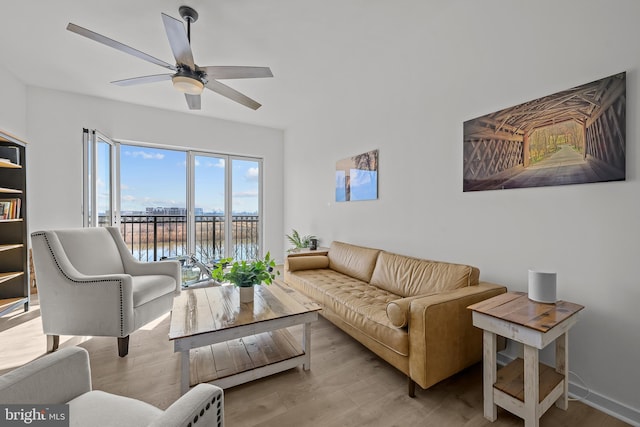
(412, 387)
(123, 346)
(53, 341)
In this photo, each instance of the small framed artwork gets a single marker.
(357, 177)
(575, 136)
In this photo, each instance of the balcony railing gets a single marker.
(153, 237)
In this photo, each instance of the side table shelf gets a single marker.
(510, 380)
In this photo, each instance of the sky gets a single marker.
(363, 185)
(152, 177)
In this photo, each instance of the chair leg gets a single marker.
(123, 346)
(53, 341)
(411, 387)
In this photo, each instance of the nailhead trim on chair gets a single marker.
(217, 401)
(86, 281)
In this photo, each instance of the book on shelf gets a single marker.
(10, 208)
(10, 154)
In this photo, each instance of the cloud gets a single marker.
(128, 198)
(208, 164)
(252, 174)
(145, 155)
(165, 203)
(245, 194)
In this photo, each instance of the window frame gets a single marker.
(90, 159)
(91, 138)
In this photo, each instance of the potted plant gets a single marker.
(246, 274)
(299, 242)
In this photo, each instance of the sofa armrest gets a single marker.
(442, 338)
(308, 262)
(169, 268)
(202, 405)
(55, 378)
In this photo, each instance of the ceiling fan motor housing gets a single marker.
(188, 82)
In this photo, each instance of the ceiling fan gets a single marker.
(187, 77)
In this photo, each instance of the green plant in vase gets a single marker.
(246, 274)
(299, 242)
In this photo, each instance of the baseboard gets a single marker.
(605, 404)
(589, 397)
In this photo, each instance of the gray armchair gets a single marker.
(65, 377)
(90, 284)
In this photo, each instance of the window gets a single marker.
(171, 202)
(245, 207)
(153, 201)
(99, 202)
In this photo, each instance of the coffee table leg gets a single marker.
(184, 371)
(306, 343)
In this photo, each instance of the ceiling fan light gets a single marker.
(188, 85)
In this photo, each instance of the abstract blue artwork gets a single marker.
(357, 177)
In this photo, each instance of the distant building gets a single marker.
(171, 211)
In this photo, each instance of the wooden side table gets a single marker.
(526, 388)
(321, 250)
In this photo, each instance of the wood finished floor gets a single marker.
(347, 385)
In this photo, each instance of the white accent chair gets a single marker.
(65, 377)
(89, 284)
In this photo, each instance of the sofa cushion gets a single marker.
(152, 286)
(407, 276)
(364, 307)
(352, 260)
(357, 303)
(312, 282)
(97, 408)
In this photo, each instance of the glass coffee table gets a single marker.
(227, 343)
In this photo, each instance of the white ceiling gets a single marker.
(315, 49)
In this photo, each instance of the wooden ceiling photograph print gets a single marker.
(575, 136)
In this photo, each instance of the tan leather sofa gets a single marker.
(411, 312)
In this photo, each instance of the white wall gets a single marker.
(407, 86)
(55, 122)
(13, 104)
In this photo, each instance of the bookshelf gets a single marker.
(14, 283)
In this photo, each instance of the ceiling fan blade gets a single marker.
(117, 45)
(193, 101)
(144, 79)
(232, 94)
(179, 41)
(231, 72)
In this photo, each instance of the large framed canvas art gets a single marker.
(575, 136)
(357, 177)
